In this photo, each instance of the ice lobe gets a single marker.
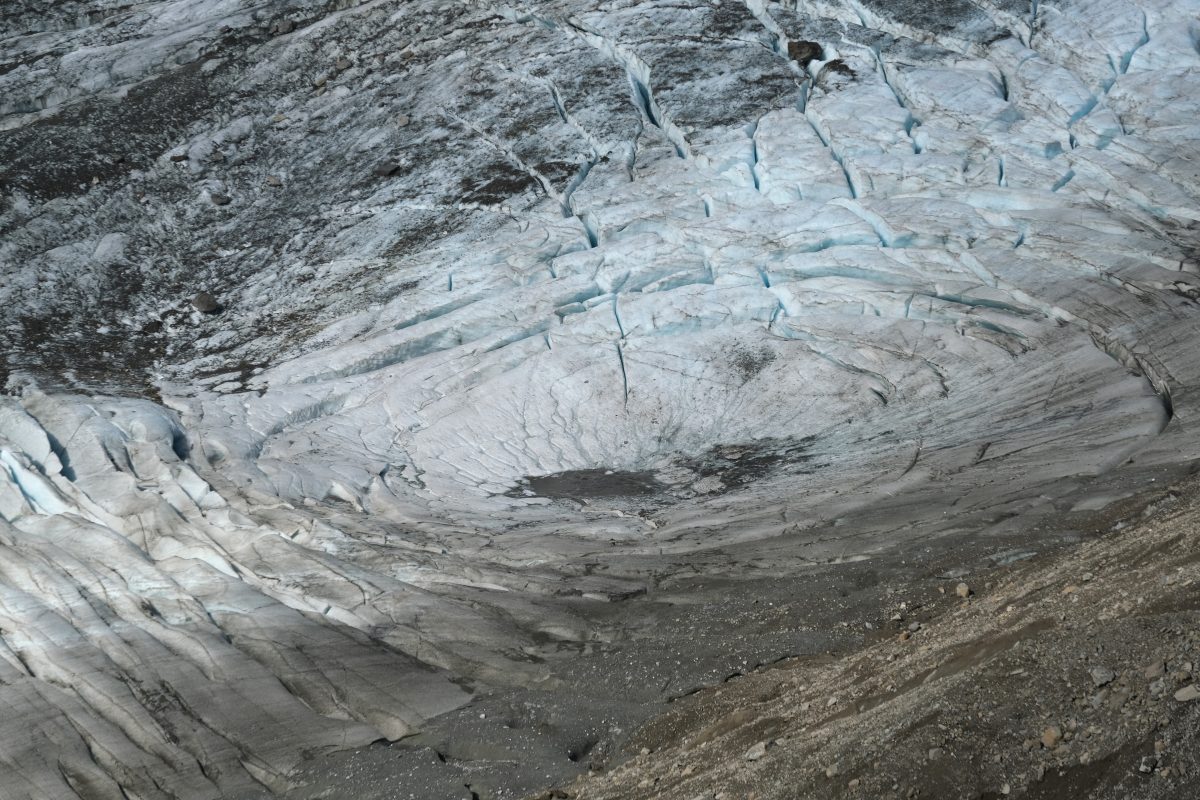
(531, 307)
(133, 644)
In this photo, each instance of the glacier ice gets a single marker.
(530, 308)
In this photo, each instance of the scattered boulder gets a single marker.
(756, 752)
(205, 303)
(282, 26)
(837, 67)
(1188, 693)
(803, 52)
(1051, 737)
(387, 169)
(834, 73)
(1102, 676)
(220, 199)
(963, 590)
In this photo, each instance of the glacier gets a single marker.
(540, 322)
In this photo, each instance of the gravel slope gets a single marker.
(1077, 676)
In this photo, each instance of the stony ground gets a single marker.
(1070, 677)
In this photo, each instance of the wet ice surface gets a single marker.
(554, 338)
(587, 483)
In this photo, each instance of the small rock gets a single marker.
(179, 157)
(1088, 577)
(934, 753)
(402, 120)
(1102, 676)
(273, 180)
(1148, 765)
(756, 752)
(220, 199)
(387, 169)
(854, 784)
(1051, 737)
(914, 627)
(1188, 693)
(1155, 670)
(832, 770)
(962, 590)
(205, 303)
(830, 72)
(803, 52)
(905, 636)
(283, 26)
(343, 64)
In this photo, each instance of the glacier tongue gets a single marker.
(530, 309)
